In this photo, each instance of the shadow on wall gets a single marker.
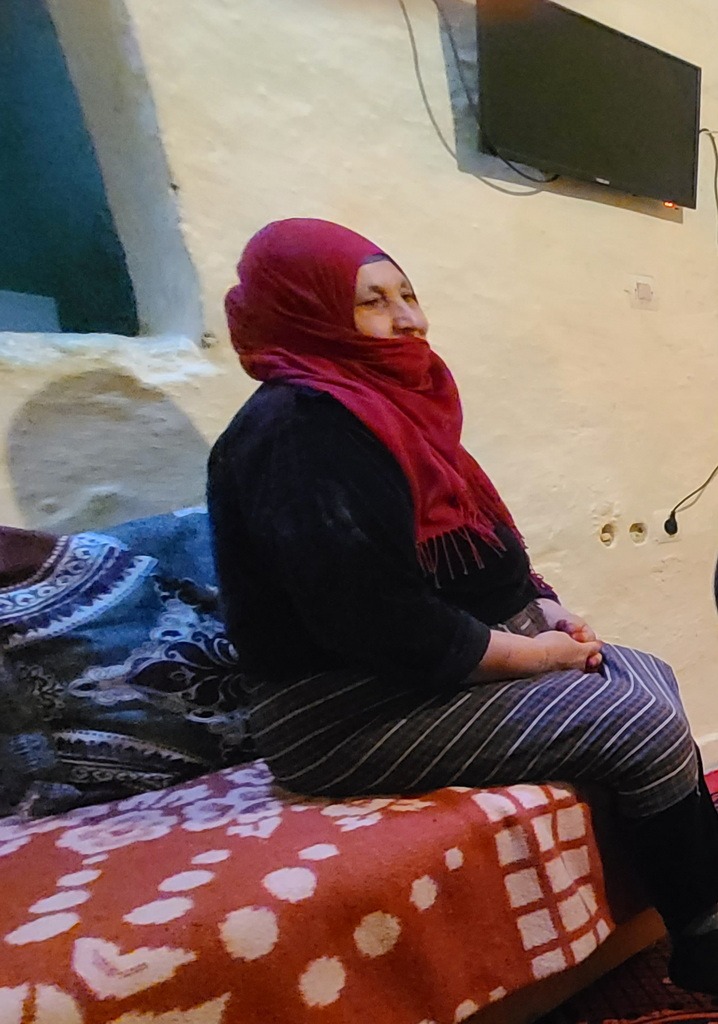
(101, 447)
(459, 40)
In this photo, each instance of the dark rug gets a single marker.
(639, 990)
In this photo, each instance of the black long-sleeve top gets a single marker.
(313, 534)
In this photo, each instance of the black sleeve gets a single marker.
(543, 589)
(331, 513)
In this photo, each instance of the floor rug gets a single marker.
(639, 991)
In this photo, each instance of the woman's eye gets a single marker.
(410, 297)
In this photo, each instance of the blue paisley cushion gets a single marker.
(179, 541)
(128, 665)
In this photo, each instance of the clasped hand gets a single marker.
(570, 642)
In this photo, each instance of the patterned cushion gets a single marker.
(129, 665)
(179, 541)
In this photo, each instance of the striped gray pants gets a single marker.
(344, 734)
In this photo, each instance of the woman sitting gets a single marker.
(381, 599)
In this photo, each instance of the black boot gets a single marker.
(694, 963)
(677, 856)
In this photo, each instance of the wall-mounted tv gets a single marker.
(570, 96)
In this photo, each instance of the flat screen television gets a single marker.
(567, 95)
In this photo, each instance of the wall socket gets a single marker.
(658, 533)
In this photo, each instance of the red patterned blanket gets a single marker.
(223, 902)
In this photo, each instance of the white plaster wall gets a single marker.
(584, 409)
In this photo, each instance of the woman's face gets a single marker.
(385, 305)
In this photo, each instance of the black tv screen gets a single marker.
(570, 96)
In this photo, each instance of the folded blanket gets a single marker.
(118, 675)
(224, 900)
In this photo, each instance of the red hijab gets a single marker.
(291, 318)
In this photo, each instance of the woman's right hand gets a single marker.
(559, 651)
(513, 656)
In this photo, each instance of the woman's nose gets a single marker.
(405, 318)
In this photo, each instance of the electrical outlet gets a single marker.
(658, 531)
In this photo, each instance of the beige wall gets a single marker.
(584, 409)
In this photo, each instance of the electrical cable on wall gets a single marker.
(420, 80)
(712, 137)
(472, 104)
(671, 524)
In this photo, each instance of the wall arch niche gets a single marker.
(91, 240)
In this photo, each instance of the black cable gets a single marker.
(712, 136)
(420, 80)
(472, 105)
(515, 169)
(671, 525)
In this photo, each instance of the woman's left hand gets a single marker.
(560, 618)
